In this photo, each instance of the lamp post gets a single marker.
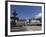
(14, 16)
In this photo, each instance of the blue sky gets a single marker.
(26, 12)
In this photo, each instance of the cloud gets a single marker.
(38, 15)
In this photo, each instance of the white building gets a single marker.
(35, 21)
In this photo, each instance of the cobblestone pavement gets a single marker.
(26, 28)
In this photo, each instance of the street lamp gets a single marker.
(14, 16)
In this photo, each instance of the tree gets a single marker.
(29, 20)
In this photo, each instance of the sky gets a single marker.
(26, 12)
